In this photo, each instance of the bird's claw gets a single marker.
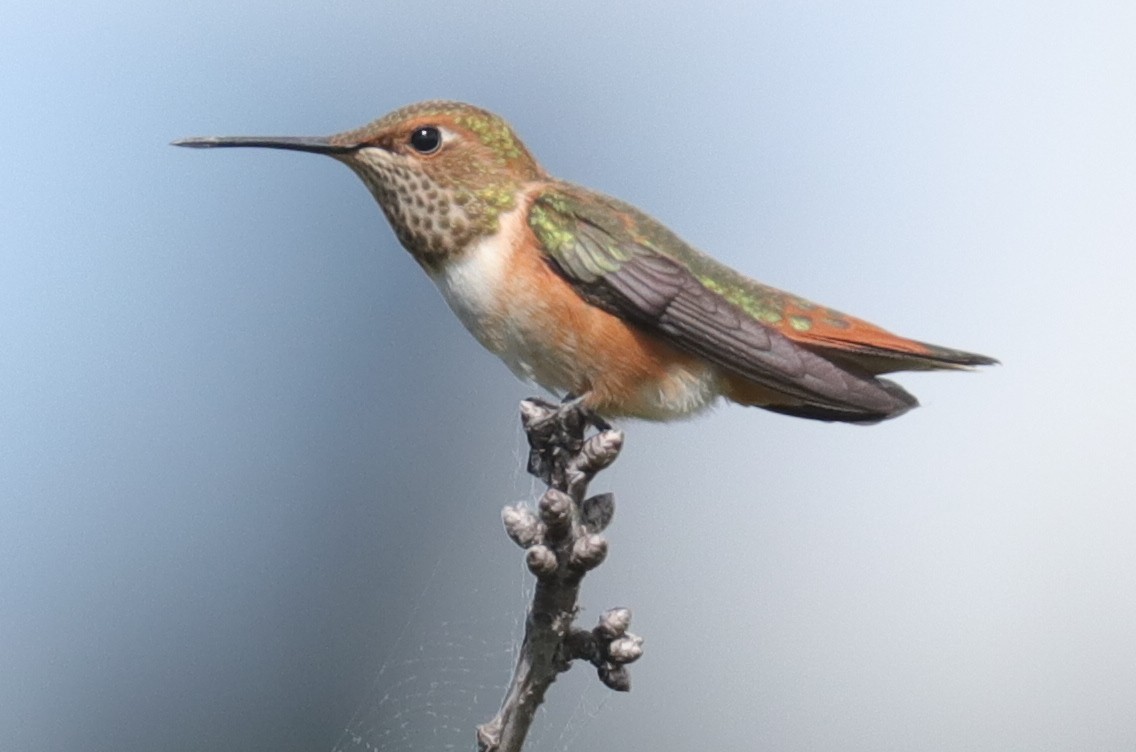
(556, 434)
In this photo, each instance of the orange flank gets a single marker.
(572, 346)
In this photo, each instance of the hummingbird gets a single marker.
(586, 295)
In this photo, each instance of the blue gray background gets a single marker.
(249, 461)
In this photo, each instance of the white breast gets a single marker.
(472, 283)
(476, 287)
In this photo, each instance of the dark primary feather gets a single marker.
(623, 261)
(700, 321)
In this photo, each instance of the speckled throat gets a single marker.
(432, 218)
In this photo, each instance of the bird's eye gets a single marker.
(426, 140)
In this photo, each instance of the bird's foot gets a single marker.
(572, 402)
(556, 436)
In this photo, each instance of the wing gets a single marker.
(625, 262)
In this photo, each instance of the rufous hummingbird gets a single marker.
(587, 295)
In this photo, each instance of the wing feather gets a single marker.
(619, 267)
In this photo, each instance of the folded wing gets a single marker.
(802, 359)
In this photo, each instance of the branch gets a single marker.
(562, 543)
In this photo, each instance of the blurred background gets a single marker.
(251, 467)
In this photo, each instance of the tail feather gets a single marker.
(885, 352)
(877, 361)
(849, 340)
(887, 400)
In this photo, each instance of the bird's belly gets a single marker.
(514, 304)
(618, 370)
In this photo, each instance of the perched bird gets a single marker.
(587, 295)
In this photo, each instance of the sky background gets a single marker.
(251, 466)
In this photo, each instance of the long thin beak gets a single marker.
(316, 144)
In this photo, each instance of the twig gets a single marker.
(562, 543)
